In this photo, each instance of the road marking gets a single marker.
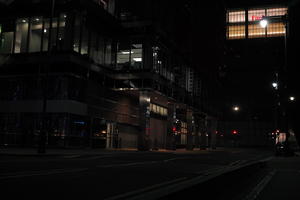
(137, 163)
(43, 173)
(71, 156)
(260, 186)
(140, 191)
(127, 164)
(171, 159)
(96, 157)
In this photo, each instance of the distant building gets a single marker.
(254, 57)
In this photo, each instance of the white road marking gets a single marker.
(42, 173)
(260, 186)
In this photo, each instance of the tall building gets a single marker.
(101, 73)
(255, 57)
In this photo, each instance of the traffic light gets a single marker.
(234, 132)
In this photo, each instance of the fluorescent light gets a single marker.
(126, 52)
(137, 59)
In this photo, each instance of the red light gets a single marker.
(234, 132)
(174, 129)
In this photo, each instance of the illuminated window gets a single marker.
(6, 43)
(165, 112)
(154, 108)
(276, 29)
(276, 11)
(158, 109)
(236, 31)
(136, 56)
(256, 15)
(236, 16)
(255, 30)
(21, 35)
(130, 56)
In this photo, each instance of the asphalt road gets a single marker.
(283, 179)
(110, 174)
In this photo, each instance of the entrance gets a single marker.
(112, 136)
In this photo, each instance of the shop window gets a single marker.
(255, 30)
(276, 29)
(256, 15)
(84, 41)
(236, 16)
(36, 32)
(236, 32)
(21, 35)
(77, 32)
(46, 35)
(6, 44)
(276, 11)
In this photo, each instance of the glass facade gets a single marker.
(36, 34)
(162, 64)
(33, 35)
(130, 56)
(240, 27)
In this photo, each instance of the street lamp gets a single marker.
(275, 85)
(292, 98)
(281, 83)
(236, 108)
(264, 23)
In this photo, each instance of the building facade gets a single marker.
(255, 57)
(96, 74)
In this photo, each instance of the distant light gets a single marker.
(137, 59)
(126, 52)
(236, 108)
(45, 30)
(24, 20)
(275, 85)
(263, 23)
(292, 98)
(37, 19)
(234, 132)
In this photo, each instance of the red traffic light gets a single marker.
(234, 132)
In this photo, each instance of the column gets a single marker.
(144, 135)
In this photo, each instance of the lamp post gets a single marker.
(281, 83)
